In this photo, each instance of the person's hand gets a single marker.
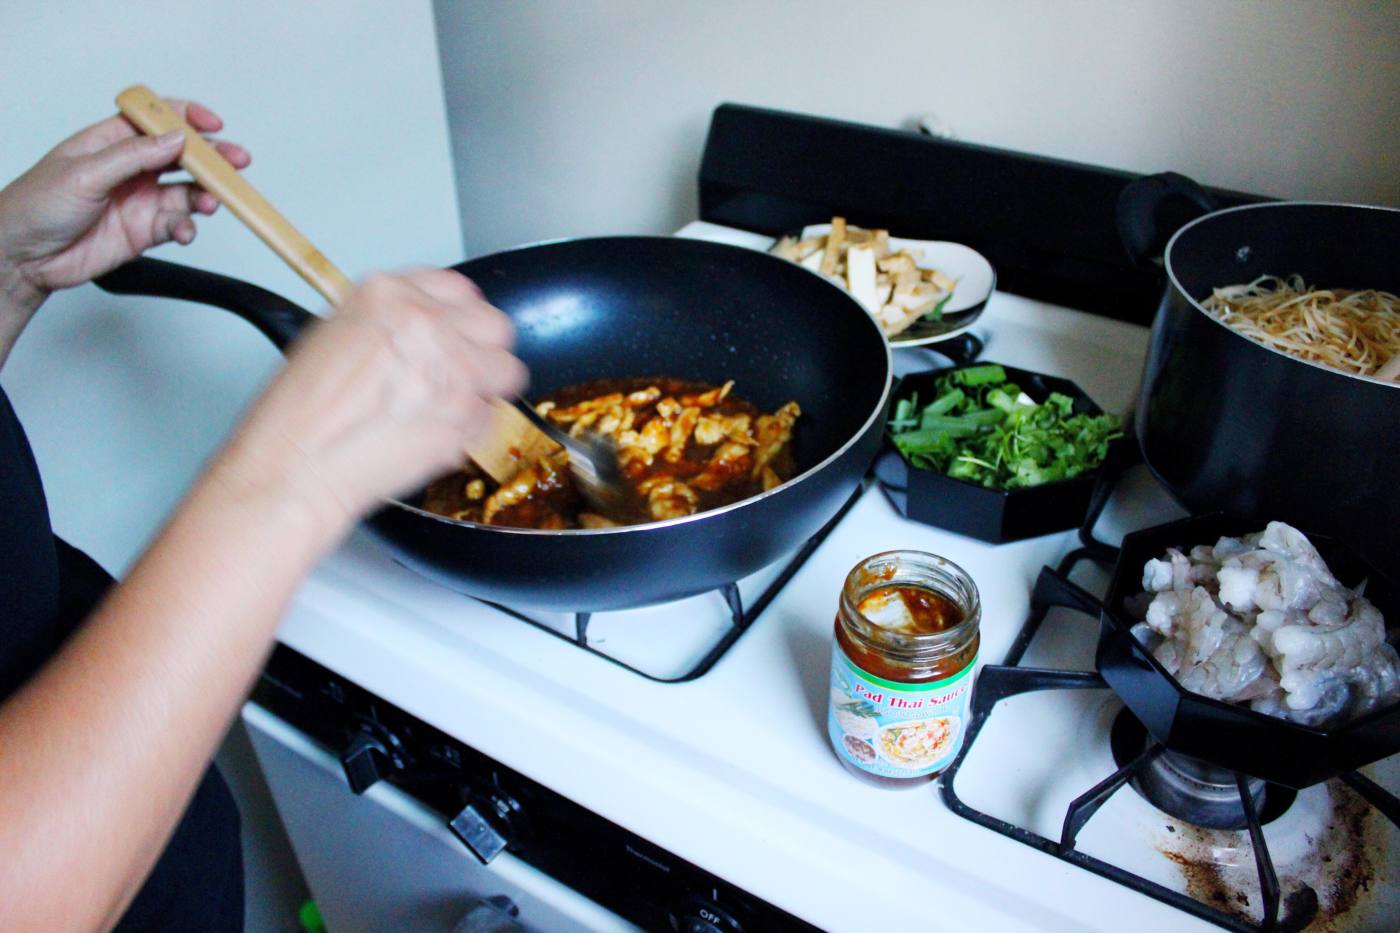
(96, 201)
(375, 400)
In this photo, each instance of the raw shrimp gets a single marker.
(1261, 619)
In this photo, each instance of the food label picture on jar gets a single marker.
(902, 665)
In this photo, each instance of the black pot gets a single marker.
(1229, 424)
(993, 515)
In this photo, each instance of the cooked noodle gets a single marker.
(1353, 331)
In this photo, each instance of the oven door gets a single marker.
(384, 862)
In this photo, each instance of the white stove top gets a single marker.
(733, 771)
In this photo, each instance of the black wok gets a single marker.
(635, 306)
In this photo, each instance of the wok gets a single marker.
(621, 307)
(1227, 423)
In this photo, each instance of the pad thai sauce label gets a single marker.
(892, 719)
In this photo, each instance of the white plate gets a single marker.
(974, 275)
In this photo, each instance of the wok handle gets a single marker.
(1153, 208)
(154, 116)
(278, 319)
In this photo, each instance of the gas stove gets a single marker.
(689, 739)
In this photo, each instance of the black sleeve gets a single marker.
(82, 584)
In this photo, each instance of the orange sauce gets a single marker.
(926, 612)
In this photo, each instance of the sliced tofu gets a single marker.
(860, 277)
(882, 244)
(899, 262)
(786, 248)
(835, 242)
(905, 280)
(894, 320)
(812, 261)
(939, 280)
(919, 300)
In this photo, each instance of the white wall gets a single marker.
(574, 118)
(341, 104)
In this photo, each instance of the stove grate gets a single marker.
(740, 617)
(1054, 588)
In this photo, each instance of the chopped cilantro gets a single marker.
(980, 428)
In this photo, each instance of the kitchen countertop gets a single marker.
(734, 771)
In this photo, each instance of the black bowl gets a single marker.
(993, 515)
(1224, 734)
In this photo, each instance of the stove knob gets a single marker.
(702, 916)
(478, 833)
(365, 761)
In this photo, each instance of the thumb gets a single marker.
(109, 167)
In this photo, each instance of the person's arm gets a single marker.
(100, 751)
(102, 748)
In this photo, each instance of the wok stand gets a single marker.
(741, 618)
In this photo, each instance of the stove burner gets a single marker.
(1190, 789)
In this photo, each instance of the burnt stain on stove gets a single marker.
(1340, 863)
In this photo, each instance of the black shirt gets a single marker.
(47, 588)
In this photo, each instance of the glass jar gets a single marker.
(907, 634)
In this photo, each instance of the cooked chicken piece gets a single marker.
(730, 460)
(773, 431)
(713, 428)
(643, 446)
(668, 497)
(771, 480)
(708, 399)
(585, 422)
(615, 420)
(655, 436)
(643, 397)
(475, 489)
(680, 433)
(593, 520)
(669, 408)
(512, 493)
(587, 406)
(708, 431)
(544, 408)
(738, 428)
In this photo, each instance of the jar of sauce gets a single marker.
(907, 634)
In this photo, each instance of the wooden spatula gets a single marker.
(500, 451)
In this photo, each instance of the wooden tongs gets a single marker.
(512, 440)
